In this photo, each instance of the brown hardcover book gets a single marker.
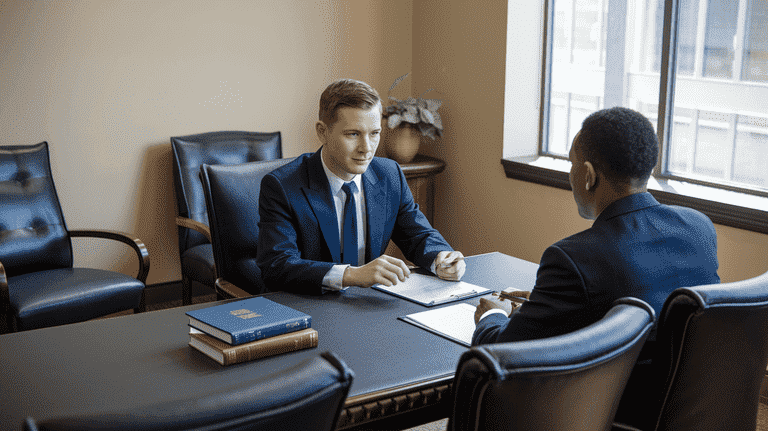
(227, 354)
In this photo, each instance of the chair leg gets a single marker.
(143, 304)
(186, 290)
(10, 322)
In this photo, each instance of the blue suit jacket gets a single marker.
(298, 229)
(636, 247)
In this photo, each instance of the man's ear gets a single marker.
(320, 129)
(591, 176)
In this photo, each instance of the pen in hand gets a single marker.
(519, 296)
(452, 262)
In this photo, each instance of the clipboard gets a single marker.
(429, 290)
(454, 322)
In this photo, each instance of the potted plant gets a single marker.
(410, 119)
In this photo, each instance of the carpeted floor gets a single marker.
(762, 418)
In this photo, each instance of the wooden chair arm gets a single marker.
(138, 246)
(194, 225)
(228, 290)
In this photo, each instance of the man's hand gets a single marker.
(384, 270)
(449, 265)
(490, 304)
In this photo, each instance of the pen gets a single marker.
(505, 295)
(461, 295)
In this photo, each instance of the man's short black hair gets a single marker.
(620, 142)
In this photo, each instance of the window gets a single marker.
(698, 69)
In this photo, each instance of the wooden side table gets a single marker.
(420, 174)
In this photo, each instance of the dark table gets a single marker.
(402, 373)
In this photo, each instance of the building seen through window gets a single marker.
(609, 53)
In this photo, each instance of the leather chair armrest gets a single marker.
(194, 225)
(228, 290)
(138, 246)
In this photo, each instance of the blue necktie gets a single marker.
(349, 231)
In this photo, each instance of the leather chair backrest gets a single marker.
(213, 148)
(33, 236)
(308, 396)
(568, 382)
(712, 349)
(232, 196)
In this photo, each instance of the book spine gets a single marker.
(270, 347)
(273, 330)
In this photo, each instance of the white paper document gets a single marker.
(455, 322)
(430, 290)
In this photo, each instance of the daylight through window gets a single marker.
(608, 53)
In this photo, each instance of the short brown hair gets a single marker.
(346, 92)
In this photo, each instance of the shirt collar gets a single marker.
(335, 181)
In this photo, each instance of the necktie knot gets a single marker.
(349, 188)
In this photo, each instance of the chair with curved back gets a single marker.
(232, 196)
(308, 396)
(568, 382)
(38, 285)
(709, 361)
(189, 153)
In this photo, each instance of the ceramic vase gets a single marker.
(402, 143)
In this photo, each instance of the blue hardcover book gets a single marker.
(248, 320)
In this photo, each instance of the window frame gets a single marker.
(728, 209)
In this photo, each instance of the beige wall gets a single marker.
(106, 83)
(459, 48)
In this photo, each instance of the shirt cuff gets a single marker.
(334, 277)
(492, 311)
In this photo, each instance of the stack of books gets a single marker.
(249, 329)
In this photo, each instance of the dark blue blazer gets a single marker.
(298, 230)
(636, 247)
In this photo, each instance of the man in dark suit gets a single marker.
(327, 218)
(636, 246)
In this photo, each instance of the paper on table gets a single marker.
(456, 322)
(430, 290)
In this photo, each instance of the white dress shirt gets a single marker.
(333, 278)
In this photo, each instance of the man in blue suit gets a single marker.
(636, 246)
(327, 217)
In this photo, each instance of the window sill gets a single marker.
(730, 208)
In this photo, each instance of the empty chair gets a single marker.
(309, 397)
(568, 382)
(189, 153)
(232, 196)
(38, 285)
(709, 362)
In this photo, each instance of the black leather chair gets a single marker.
(38, 285)
(232, 196)
(309, 396)
(189, 153)
(709, 361)
(568, 382)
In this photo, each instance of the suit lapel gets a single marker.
(318, 195)
(376, 208)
